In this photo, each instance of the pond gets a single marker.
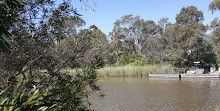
(155, 94)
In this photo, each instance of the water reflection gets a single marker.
(157, 94)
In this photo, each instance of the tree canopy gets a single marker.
(214, 5)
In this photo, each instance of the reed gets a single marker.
(134, 70)
(129, 70)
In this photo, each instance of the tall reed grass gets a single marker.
(134, 70)
(129, 70)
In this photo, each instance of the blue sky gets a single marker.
(108, 11)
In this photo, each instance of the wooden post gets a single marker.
(179, 73)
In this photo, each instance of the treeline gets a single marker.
(39, 39)
(138, 41)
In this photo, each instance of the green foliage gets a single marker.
(153, 60)
(9, 15)
(39, 50)
(186, 43)
(214, 5)
(35, 100)
(60, 91)
(215, 37)
(131, 58)
(137, 63)
(189, 15)
(124, 58)
(4, 46)
(138, 57)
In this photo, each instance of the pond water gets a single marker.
(154, 94)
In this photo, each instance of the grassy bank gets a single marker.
(134, 70)
(130, 70)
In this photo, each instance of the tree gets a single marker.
(98, 39)
(125, 33)
(215, 26)
(163, 23)
(150, 41)
(186, 39)
(214, 5)
(36, 33)
(149, 30)
(132, 33)
(199, 50)
(173, 36)
(189, 15)
(9, 14)
(154, 50)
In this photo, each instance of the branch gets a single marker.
(24, 68)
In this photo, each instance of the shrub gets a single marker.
(124, 58)
(28, 101)
(137, 63)
(58, 91)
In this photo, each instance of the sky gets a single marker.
(108, 11)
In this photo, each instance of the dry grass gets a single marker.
(134, 70)
(129, 70)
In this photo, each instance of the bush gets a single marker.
(124, 58)
(28, 101)
(131, 58)
(58, 91)
(137, 63)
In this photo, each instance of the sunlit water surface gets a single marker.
(155, 94)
